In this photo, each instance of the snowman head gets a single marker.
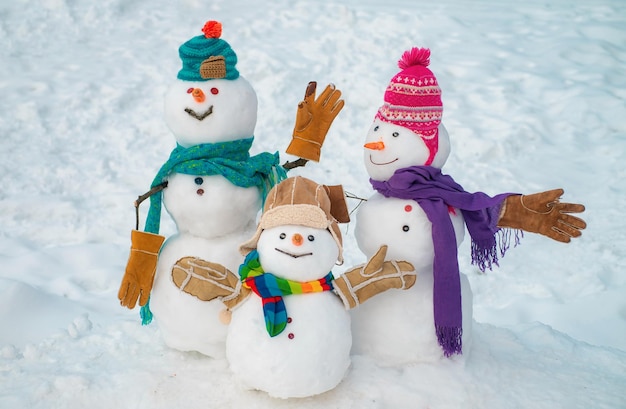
(296, 252)
(294, 204)
(389, 147)
(412, 106)
(210, 102)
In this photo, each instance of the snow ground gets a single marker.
(534, 99)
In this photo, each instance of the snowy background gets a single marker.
(534, 98)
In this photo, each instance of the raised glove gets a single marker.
(361, 283)
(142, 262)
(208, 281)
(543, 213)
(313, 120)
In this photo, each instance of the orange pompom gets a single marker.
(212, 29)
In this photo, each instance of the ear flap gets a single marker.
(338, 204)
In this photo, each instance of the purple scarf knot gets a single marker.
(435, 192)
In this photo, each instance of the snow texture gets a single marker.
(534, 98)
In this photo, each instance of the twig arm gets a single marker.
(294, 164)
(143, 197)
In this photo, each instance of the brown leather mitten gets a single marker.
(543, 213)
(313, 120)
(208, 281)
(142, 262)
(361, 283)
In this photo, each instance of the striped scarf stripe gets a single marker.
(272, 289)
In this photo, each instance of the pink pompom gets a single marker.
(414, 56)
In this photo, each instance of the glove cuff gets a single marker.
(305, 148)
(146, 242)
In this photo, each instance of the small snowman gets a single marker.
(290, 331)
(425, 213)
(211, 187)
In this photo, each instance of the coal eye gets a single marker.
(405, 228)
(311, 237)
(376, 128)
(282, 236)
(198, 180)
(395, 134)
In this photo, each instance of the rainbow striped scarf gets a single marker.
(271, 289)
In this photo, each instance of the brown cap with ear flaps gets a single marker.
(301, 201)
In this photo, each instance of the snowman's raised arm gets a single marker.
(207, 281)
(313, 120)
(376, 276)
(543, 213)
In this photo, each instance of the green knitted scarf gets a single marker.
(229, 159)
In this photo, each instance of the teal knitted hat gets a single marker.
(207, 57)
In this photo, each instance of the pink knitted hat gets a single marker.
(413, 99)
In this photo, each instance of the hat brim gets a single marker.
(298, 214)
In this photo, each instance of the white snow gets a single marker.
(534, 98)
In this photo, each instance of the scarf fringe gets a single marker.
(486, 255)
(146, 314)
(277, 175)
(450, 339)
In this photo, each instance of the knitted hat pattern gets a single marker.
(207, 56)
(303, 202)
(413, 99)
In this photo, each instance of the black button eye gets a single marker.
(395, 134)
(198, 180)
(311, 237)
(282, 236)
(405, 228)
(376, 128)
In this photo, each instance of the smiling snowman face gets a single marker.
(391, 147)
(297, 253)
(212, 111)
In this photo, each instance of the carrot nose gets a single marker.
(375, 146)
(297, 239)
(198, 95)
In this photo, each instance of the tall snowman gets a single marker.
(421, 214)
(290, 332)
(211, 187)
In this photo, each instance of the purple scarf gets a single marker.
(434, 192)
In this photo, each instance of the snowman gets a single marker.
(425, 214)
(210, 186)
(290, 333)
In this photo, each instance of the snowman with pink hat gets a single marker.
(425, 214)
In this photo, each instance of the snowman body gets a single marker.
(212, 215)
(397, 327)
(312, 354)
(185, 322)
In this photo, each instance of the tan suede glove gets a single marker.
(142, 262)
(208, 281)
(313, 120)
(543, 213)
(361, 283)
